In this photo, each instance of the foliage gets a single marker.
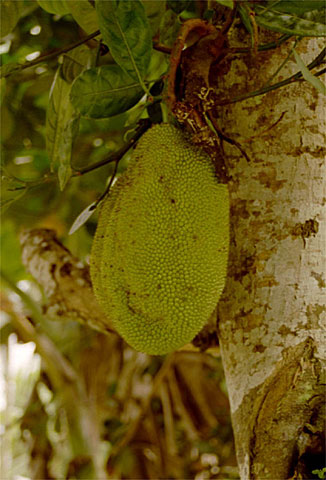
(76, 78)
(320, 473)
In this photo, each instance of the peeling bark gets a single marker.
(64, 278)
(272, 314)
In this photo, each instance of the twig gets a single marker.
(113, 157)
(261, 48)
(196, 386)
(45, 58)
(156, 440)
(187, 422)
(162, 48)
(26, 185)
(255, 31)
(262, 132)
(276, 44)
(132, 430)
(229, 20)
(108, 188)
(170, 444)
(321, 72)
(116, 156)
(294, 78)
(223, 137)
(126, 374)
(56, 53)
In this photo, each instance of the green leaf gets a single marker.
(296, 6)
(320, 472)
(169, 28)
(154, 10)
(10, 12)
(244, 15)
(178, 6)
(61, 128)
(157, 67)
(289, 23)
(85, 15)
(317, 16)
(60, 7)
(127, 33)
(307, 75)
(76, 61)
(226, 3)
(104, 92)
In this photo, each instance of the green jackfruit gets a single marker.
(159, 256)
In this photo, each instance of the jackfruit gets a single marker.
(159, 256)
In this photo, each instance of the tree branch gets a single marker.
(116, 156)
(45, 58)
(319, 60)
(64, 279)
(113, 157)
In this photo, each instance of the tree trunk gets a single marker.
(271, 314)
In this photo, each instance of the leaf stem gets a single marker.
(162, 48)
(211, 122)
(108, 188)
(263, 47)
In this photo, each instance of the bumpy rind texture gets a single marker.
(159, 256)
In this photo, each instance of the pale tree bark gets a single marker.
(64, 278)
(272, 314)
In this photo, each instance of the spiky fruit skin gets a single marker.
(159, 256)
